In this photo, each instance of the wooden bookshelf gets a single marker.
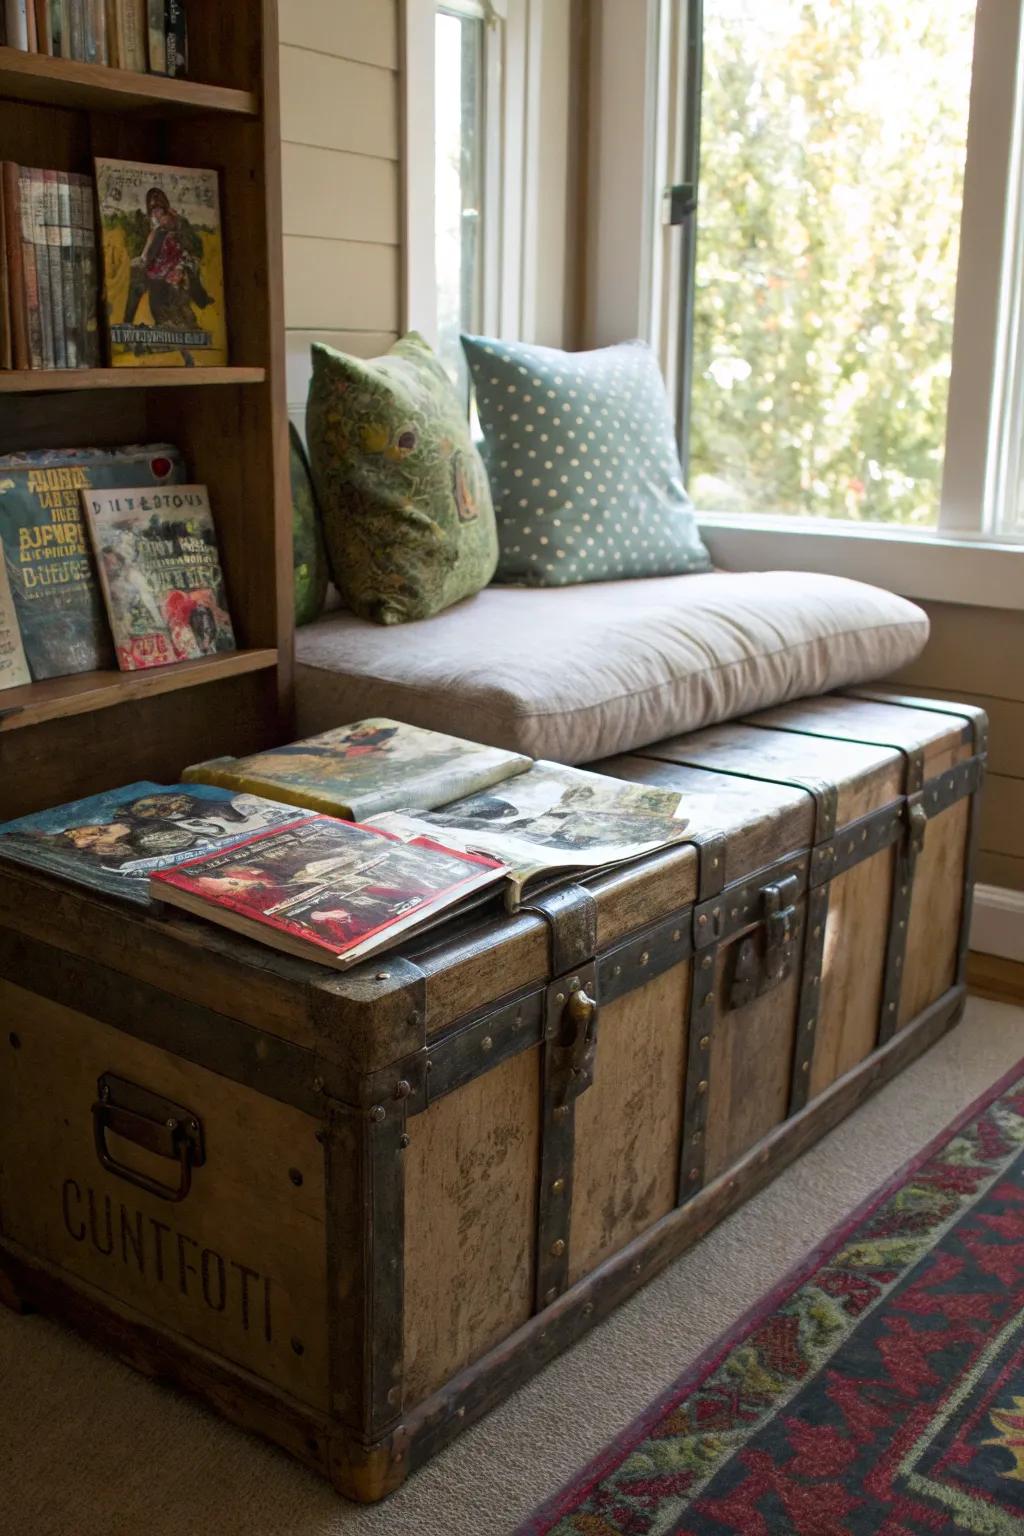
(81, 734)
(35, 77)
(36, 381)
(58, 698)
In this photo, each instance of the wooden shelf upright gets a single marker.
(82, 734)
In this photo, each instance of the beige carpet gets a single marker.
(87, 1448)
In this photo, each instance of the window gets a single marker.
(849, 340)
(459, 45)
(487, 161)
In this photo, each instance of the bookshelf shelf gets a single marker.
(61, 697)
(38, 381)
(35, 77)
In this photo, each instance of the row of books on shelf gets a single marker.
(149, 36)
(313, 849)
(160, 257)
(109, 558)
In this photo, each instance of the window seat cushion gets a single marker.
(578, 673)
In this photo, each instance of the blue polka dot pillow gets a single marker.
(583, 464)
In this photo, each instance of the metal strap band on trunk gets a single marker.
(824, 794)
(976, 718)
(913, 757)
(830, 859)
(570, 912)
(700, 1018)
(570, 1021)
(912, 820)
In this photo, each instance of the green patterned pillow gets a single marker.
(584, 469)
(406, 506)
(307, 536)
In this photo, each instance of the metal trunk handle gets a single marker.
(150, 1121)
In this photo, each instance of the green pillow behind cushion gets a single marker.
(584, 469)
(307, 536)
(403, 492)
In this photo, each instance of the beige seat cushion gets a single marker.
(577, 673)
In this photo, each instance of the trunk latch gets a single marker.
(764, 958)
(572, 1031)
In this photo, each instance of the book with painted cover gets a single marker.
(49, 562)
(550, 822)
(113, 842)
(159, 567)
(163, 271)
(327, 890)
(13, 666)
(363, 769)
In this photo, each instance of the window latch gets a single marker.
(682, 202)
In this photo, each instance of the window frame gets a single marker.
(653, 146)
(419, 282)
(527, 234)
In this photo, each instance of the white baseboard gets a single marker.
(997, 923)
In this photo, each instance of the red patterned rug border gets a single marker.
(568, 1498)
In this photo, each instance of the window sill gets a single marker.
(932, 567)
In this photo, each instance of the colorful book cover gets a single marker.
(115, 841)
(326, 889)
(363, 769)
(49, 562)
(163, 270)
(13, 666)
(159, 567)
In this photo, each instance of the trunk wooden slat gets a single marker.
(404, 1188)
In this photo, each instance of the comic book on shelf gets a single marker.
(13, 666)
(113, 842)
(159, 568)
(163, 270)
(46, 551)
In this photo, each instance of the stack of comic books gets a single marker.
(49, 273)
(107, 557)
(335, 847)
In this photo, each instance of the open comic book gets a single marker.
(329, 891)
(360, 770)
(550, 821)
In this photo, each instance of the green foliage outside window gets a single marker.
(833, 147)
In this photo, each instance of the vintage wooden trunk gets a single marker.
(353, 1212)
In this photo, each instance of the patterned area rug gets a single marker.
(879, 1391)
